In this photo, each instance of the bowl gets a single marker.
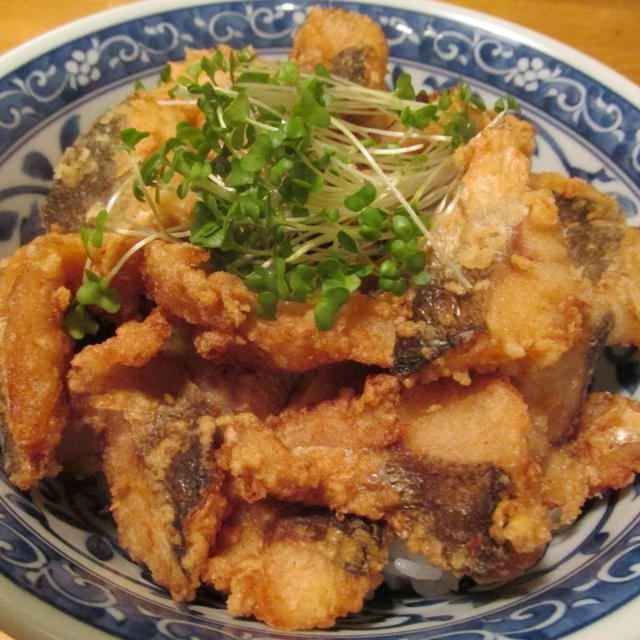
(64, 575)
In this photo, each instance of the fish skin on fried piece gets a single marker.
(152, 401)
(416, 481)
(348, 44)
(296, 567)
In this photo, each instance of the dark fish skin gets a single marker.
(454, 504)
(191, 473)
(594, 231)
(448, 319)
(93, 153)
(368, 540)
(593, 228)
(351, 64)
(461, 498)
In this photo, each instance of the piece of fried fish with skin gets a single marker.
(165, 492)
(36, 289)
(569, 258)
(524, 303)
(296, 567)
(418, 480)
(95, 173)
(176, 279)
(605, 454)
(604, 247)
(347, 44)
(153, 403)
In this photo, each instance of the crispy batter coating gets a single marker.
(152, 401)
(94, 174)
(176, 282)
(35, 351)
(296, 567)
(604, 247)
(364, 331)
(347, 44)
(604, 454)
(443, 461)
(347, 420)
(219, 303)
(529, 306)
(496, 165)
(134, 344)
(160, 466)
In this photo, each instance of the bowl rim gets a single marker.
(19, 55)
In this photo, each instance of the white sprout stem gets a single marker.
(148, 199)
(221, 121)
(216, 179)
(403, 201)
(175, 232)
(131, 251)
(115, 196)
(398, 151)
(183, 102)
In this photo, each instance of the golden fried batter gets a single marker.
(296, 568)
(160, 466)
(496, 164)
(442, 440)
(604, 454)
(94, 173)
(604, 247)
(134, 344)
(347, 44)
(364, 331)
(35, 351)
(175, 280)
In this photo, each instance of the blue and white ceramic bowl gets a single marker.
(63, 574)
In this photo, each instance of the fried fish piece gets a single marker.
(224, 308)
(454, 497)
(296, 567)
(94, 173)
(135, 344)
(532, 303)
(165, 491)
(496, 165)
(555, 416)
(604, 454)
(36, 288)
(157, 424)
(152, 401)
(35, 350)
(364, 331)
(604, 247)
(506, 237)
(348, 44)
(175, 279)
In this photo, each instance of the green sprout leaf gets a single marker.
(97, 292)
(404, 89)
(130, 137)
(361, 198)
(293, 191)
(79, 323)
